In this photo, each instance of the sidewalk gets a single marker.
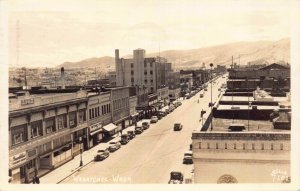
(67, 169)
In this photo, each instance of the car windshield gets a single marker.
(144, 123)
(177, 124)
(188, 154)
(175, 176)
(112, 143)
(101, 151)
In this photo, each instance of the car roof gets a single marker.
(188, 152)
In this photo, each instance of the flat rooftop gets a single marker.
(245, 107)
(221, 125)
(245, 98)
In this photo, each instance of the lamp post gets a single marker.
(80, 141)
(211, 65)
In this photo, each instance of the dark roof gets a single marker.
(275, 66)
(150, 59)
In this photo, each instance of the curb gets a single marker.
(76, 170)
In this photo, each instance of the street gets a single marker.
(152, 155)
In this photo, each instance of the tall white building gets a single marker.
(140, 71)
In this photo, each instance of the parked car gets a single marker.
(205, 89)
(124, 139)
(131, 134)
(113, 146)
(177, 126)
(154, 119)
(188, 157)
(171, 108)
(101, 155)
(145, 125)
(139, 129)
(176, 177)
(201, 95)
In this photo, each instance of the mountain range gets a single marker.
(242, 52)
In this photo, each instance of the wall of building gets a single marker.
(245, 157)
(44, 130)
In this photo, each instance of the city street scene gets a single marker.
(132, 92)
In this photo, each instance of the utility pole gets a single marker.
(211, 104)
(232, 91)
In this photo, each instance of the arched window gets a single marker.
(227, 179)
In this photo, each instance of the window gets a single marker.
(200, 145)
(72, 119)
(253, 146)
(132, 80)
(244, 146)
(62, 121)
(151, 72)
(102, 108)
(151, 81)
(50, 125)
(132, 72)
(109, 108)
(90, 113)
(93, 113)
(281, 146)
(262, 146)
(272, 146)
(145, 64)
(225, 145)
(151, 64)
(217, 146)
(208, 146)
(98, 110)
(146, 81)
(234, 146)
(81, 115)
(131, 65)
(19, 134)
(145, 72)
(36, 129)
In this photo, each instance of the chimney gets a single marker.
(62, 72)
(117, 55)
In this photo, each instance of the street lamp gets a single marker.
(211, 65)
(80, 141)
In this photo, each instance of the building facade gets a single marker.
(99, 115)
(141, 71)
(120, 107)
(243, 157)
(45, 131)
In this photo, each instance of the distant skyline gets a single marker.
(50, 32)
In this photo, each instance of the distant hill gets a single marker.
(256, 52)
(105, 62)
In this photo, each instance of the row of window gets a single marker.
(120, 103)
(145, 64)
(95, 112)
(19, 133)
(253, 146)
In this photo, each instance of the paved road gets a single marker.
(152, 155)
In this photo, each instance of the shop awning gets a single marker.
(96, 131)
(109, 127)
(135, 114)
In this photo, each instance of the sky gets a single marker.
(46, 33)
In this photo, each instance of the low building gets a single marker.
(99, 115)
(45, 131)
(120, 108)
(163, 96)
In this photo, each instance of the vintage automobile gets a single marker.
(188, 157)
(154, 119)
(101, 155)
(176, 177)
(124, 139)
(139, 129)
(177, 126)
(114, 145)
(131, 134)
(145, 125)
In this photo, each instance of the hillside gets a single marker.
(258, 51)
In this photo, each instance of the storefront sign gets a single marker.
(18, 158)
(27, 101)
(31, 153)
(95, 126)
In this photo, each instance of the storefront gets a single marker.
(109, 130)
(96, 135)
